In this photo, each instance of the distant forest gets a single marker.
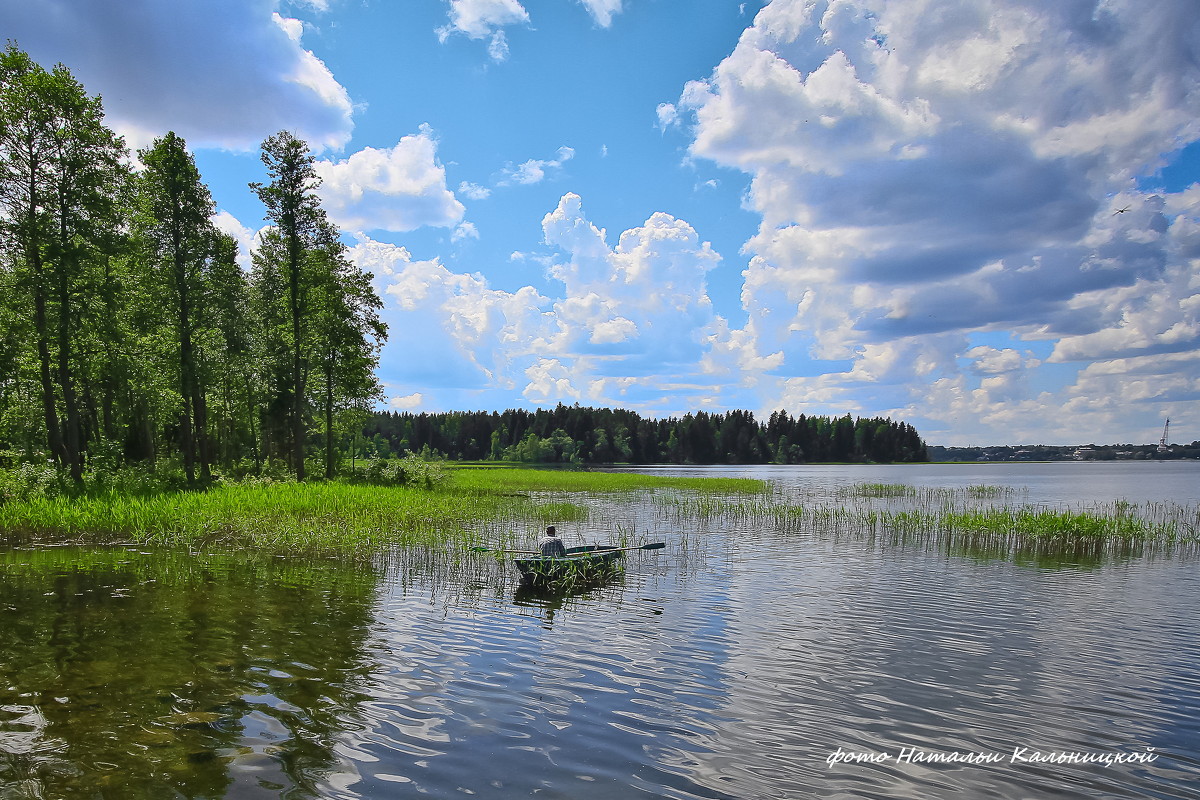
(576, 435)
(1086, 452)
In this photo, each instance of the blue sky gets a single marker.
(981, 217)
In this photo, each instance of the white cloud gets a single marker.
(626, 322)
(473, 191)
(246, 239)
(534, 170)
(498, 46)
(465, 230)
(668, 115)
(407, 401)
(924, 175)
(399, 189)
(548, 381)
(602, 11)
(450, 329)
(484, 19)
(233, 75)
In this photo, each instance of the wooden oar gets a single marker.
(502, 550)
(651, 546)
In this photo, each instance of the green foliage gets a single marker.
(29, 482)
(130, 335)
(412, 470)
(580, 435)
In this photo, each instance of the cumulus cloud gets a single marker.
(924, 172)
(624, 320)
(233, 75)
(448, 329)
(484, 19)
(644, 300)
(407, 401)
(535, 170)
(398, 189)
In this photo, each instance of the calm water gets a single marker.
(731, 664)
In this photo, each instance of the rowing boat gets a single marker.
(581, 564)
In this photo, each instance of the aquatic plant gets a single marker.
(977, 516)
(883, 490)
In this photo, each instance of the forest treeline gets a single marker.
(129, 334)
(576, 435)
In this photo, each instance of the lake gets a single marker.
(741, 661)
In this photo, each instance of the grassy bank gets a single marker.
(329, 515)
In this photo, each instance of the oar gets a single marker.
(651, 546)
(502, 550)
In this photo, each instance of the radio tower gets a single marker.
(1162, 443)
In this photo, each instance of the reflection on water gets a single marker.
(546, 600)
(731, 664)
(164, 674)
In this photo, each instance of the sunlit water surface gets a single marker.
(731, 664)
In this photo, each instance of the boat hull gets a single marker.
(581, 565)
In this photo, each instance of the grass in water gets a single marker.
(966, 517)
(883, 490)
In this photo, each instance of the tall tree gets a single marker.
(296, 213)
(233, 358)
(347, 335)
(175, 231)
(61, 176)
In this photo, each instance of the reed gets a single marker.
(473, 507)
(883, 490)
(562, 480)
(972, 516)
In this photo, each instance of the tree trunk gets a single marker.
(73, 446)
(297, 355)
(329, 419)
(33, 252)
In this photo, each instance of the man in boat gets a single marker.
(552, 546)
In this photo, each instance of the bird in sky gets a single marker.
(1121, 210)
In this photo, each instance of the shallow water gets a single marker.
(731, 664)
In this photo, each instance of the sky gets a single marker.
(981, 217)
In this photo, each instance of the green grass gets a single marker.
(328, 515)
(967, 517)
(511, 479)
(883, 490)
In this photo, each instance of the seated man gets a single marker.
(552, 546)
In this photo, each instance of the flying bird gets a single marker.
(1121, 210)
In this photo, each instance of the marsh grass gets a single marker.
(882, 490)
(979, 518)
(472, 507)
(501, 479)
